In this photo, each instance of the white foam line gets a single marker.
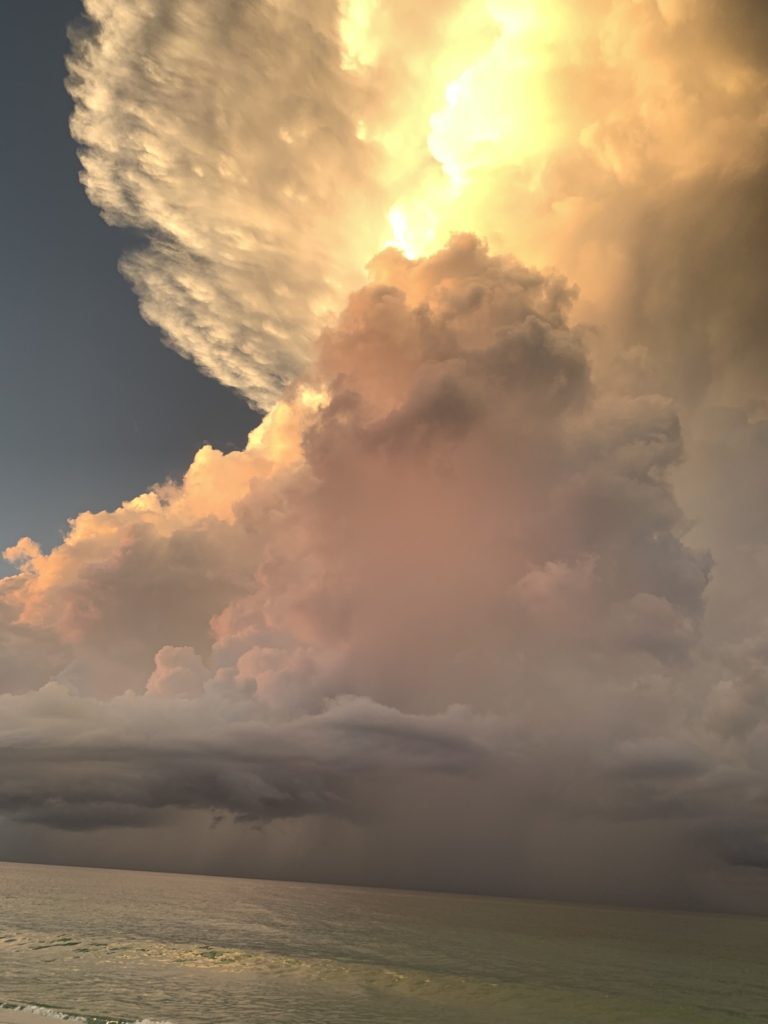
(18, 1013)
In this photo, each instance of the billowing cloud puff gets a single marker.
(450, 439)
(445, 556)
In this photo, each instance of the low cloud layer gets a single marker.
(132, 760)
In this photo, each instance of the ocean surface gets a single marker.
(128, 946)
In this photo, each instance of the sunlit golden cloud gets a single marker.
(548, 128)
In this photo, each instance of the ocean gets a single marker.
(103, 945)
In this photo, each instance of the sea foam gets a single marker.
(53, 1013)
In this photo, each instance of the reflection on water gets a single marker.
(198, 950)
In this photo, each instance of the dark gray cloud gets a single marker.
(78, 763)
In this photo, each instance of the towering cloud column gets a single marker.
(493, 551)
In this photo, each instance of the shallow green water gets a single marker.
(116, 944)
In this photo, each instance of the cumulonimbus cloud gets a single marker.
(446, 513)
(476, 562)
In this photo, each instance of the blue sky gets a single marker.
(93, 407)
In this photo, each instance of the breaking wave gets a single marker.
(55, 1013)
